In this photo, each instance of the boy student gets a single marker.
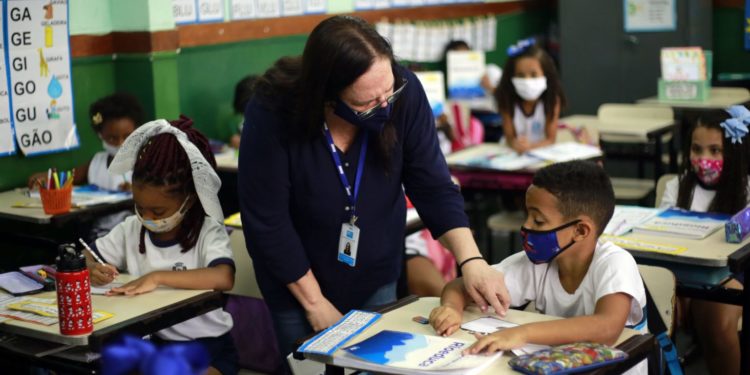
(564, 269)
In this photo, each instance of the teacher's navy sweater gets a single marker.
(293, 203)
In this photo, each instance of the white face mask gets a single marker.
(166, 224)
(530, 88)
(111, 150)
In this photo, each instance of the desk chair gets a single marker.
(661, 297)
(630, 147)
(661, 185)
(252, 332)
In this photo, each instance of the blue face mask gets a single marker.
(541, 245)
(374, 122)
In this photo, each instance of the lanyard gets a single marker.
(342, 175)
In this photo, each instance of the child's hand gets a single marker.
(445, 320)
(143, 284)
(506, 339)
(521, 145)
(102, 274)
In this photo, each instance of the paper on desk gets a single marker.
(626, 217)
(50, 310)
(565, 151)
(5, 311)
(489, 324)
(103, 289)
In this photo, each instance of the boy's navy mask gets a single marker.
(541, 245)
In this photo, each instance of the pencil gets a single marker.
(93, 254)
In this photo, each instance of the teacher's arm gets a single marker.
(438, 201)
(264, 187)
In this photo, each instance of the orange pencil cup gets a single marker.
(56, 201)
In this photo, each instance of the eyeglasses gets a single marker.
(366, 114)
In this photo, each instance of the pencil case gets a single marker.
(19, 284)
(738, 227)
(567, 359)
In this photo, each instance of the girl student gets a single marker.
(714, 179)
(176, 237)
(529, 97)
(113, 119)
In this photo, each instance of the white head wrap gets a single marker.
(207, 182)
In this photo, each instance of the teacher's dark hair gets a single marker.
(338, 51)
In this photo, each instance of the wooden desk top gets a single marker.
(720, 98)
(712, 251)
(36, 214)
(227, 161)
(639, 127)
(400, 320)
(127, 310)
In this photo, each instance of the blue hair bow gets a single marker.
(736, 127)
(132, 354)
(520, 47)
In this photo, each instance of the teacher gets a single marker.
(332, 140)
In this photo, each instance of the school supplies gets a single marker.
(7, 299)
(626, 217)
(683, 64)
(18, 284)
(90, 195)
(566, 359)
(738, 226)
(636, 244)
(420, 320)
(93, 254)
(502, 158)
(412, 353)
(680, 223)
(465, 70)
(490, 324)
(234, 221)
(434, 87)
(350, 325)
(50, 310)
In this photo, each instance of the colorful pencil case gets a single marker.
(567, 359)
(738, 227)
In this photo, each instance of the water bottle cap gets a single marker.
(69, 258)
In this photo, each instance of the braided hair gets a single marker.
(163, 162)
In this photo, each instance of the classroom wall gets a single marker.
(729, 53)
(183, 81)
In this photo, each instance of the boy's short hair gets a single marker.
(582, 188)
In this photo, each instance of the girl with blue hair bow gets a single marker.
(714, 178)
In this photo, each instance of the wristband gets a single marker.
(460, 266)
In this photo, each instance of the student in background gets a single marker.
(714, 179)
(113, 119)
(529, 97)
(243, 91)
(564, 269)
(176, 238)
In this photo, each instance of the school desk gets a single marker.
(36, 215)
(720, 97)
(137, 315)
(640, 129)
(638, 346)
(227, 161)
(701, 269)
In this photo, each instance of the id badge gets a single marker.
(348, 244)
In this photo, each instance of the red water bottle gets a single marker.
(73, 291)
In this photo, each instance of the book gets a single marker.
(627, 217)
(681, 223)
(412, 353)
(434, 87)
(465, 70)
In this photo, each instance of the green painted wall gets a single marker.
(730, 55)
(206, 94)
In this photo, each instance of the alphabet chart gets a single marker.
(39, 77)
(7, 140)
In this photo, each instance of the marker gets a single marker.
(421, 319)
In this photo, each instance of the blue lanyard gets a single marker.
(342, 175)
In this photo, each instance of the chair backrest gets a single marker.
(617, 111)
(244, 279)
(661, 185)
(662, 285)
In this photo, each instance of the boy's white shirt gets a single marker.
(120, 249)
(612, 270)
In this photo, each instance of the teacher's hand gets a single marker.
(486, 286)
(322, 315)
